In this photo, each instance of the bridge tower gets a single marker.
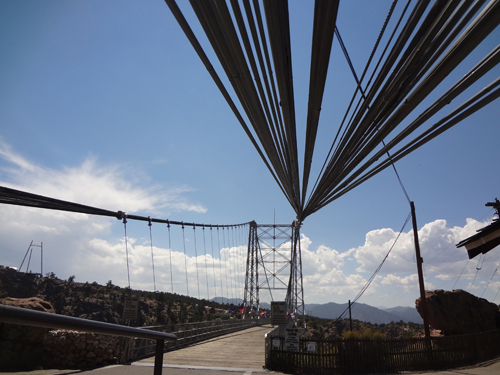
(274, 266)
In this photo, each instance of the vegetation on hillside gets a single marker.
(318, 328)
(106, 302)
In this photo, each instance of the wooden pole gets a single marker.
(420, 273)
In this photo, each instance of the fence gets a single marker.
(355, 356)
(188, 333)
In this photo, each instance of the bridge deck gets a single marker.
(243, 349)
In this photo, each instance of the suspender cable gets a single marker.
(225, 265)
(206, 267)
(170, 253)
(196, 261)
(213, 262)
(236, 265)
(126, 248)
(152, 256)
(237, 261)
(231, 266)
(220, 265)
(185, 259)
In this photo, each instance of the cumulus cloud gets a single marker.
(323, 272)
(104, 186)
(409, 283)
(437, 246)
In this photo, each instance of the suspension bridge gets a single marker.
(398, 105)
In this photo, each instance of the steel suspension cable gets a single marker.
(170, 254)
(404, 35)
(185, 259)
(220, 265)
(126, 249)
(358, 83)
(206, 266)
(325, 17)
(408, 75)
(483, 98)
(196, 261)
(220, 31)
(152, 256)
(213, 262)
(199, 50)
(367, 85)
(231, 274)
(225, 265)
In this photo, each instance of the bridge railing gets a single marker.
(189, 333)
(359, 356)
(16, 315)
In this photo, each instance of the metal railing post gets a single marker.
(159, 357)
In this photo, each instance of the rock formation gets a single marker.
(459, 312)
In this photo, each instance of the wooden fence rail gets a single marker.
(358, 356)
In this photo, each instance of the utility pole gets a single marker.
(420, 273)
(496, 206)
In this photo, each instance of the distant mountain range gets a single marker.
(365, 313)
(238, 302)
(360, 311)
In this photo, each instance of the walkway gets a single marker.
(242, 350)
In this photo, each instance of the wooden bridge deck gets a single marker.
(244, 350)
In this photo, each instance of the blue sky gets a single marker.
(107, 104)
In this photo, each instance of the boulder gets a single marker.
(33, 303)
(458, 312)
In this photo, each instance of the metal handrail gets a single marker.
(16, 315)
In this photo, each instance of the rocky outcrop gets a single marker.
(21, 346)
(33, 303)
(459, 312)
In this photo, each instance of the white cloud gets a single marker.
(409, 283)
(323, 272)
(437, 246)
(109, 187)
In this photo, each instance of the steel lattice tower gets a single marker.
(274, 264)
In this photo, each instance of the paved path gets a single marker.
(243, 350)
